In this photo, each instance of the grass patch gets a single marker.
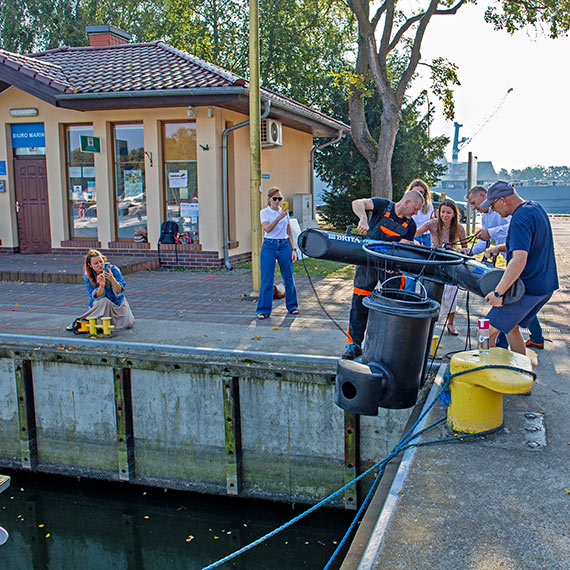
(324, 268)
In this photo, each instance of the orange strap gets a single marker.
(390, 232)
(348, 337)
(358, 291)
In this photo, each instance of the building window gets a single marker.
(181, 177)
(130, 196)
(81, 188)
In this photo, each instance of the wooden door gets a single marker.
(32, 205)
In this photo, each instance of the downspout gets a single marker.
(312, 167)
(225, 199)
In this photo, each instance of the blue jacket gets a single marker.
(115, 298)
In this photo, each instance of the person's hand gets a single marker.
(294, 255)
(491, 252)
(101, 279)
(362, 225)
(466, 251)
(492, 300)
(483, 235)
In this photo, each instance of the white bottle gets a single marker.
(483, 336)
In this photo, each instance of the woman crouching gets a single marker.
(106, 288)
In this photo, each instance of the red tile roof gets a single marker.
(147, 67)
(134, 67)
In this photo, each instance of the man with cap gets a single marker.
(389, 221)
(495, 228)
(530, 256)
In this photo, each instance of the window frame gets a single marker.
(112, 126)
(65, 127)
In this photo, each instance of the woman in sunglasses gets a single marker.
(278, 245)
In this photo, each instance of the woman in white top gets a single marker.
(425, 214)
(278, 246)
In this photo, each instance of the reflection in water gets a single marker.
(62, 524)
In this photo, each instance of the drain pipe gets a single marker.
(225, 199)
(312, 167)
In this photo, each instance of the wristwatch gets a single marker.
(497, 294)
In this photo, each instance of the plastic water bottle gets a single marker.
(483, 336)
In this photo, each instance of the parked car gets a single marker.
(436, 200)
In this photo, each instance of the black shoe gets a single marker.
(351, 352)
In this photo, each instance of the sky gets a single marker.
(533, 125)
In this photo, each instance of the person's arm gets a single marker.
(422, 229)
(94, 291)
(360, 207)
(292, 242)
(513, 271)
(462, 237)
(270, 226)
(478, 248)
(499, 233)
(115, 278)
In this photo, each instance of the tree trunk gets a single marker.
(381, 166)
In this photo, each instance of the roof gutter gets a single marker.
(225, 200)
(154, 93)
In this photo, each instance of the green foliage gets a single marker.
(34, 25)
(346, 171)
(513, 15)
(543, 174)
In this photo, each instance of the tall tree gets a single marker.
(416, 155)
(391, 31)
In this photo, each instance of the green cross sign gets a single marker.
(90, 144)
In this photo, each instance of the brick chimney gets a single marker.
(106, 36)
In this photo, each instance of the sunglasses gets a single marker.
(277, 199)
(492, 205)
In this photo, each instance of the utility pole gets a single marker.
(254, 143)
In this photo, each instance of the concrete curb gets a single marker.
(372, 548)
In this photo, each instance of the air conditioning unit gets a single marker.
(271, 133)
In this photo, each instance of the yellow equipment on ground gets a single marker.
(477, 398)
(90, 326)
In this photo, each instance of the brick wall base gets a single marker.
(190, 256)
(183, 255)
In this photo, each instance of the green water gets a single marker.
(60, 523)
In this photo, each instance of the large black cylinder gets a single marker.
(389, 376)
(397, 335)
(436, 264)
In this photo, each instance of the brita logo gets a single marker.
(341, 237)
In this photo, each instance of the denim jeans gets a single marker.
(534, 329)
(274, 250)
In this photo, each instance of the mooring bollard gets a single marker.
(477, 398)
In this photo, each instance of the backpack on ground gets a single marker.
(168, 230)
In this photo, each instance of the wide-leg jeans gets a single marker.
(274, 250)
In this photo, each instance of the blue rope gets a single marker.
(405, 443)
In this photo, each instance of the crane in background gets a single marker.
(459, 143)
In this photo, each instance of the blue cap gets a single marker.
(499, 189)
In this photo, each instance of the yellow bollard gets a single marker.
(434, 346)
(92, 326)
(477, 398)
(107, 326)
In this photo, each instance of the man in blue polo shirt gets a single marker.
(530, 256)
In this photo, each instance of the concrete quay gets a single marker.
(485, 504)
